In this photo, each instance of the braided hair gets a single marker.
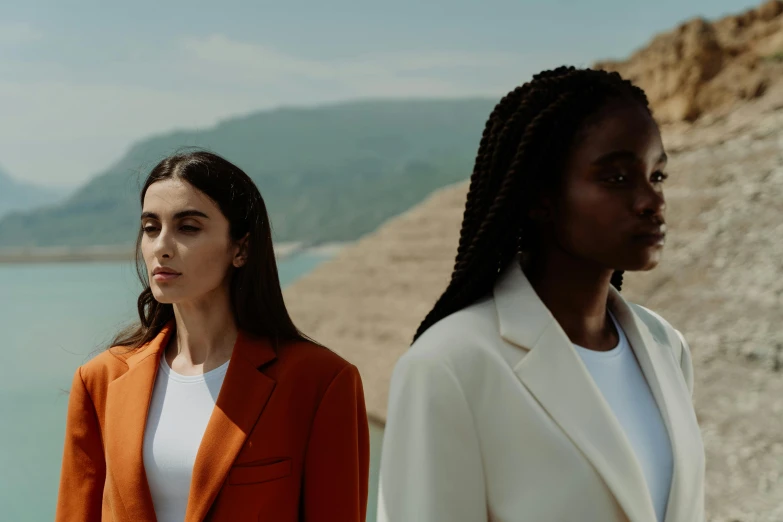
(523, 151)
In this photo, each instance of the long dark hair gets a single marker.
(526, 142)
(256, 296)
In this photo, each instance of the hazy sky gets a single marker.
(79, 84)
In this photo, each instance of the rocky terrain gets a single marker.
(706, 67)
(721, 282)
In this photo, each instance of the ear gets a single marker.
(240, 256)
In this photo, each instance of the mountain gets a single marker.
(18, 196)
(331, 173)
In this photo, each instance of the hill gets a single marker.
(18, 196)
(327, 174)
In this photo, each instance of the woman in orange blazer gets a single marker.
(215, 407)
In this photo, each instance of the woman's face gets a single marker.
(610, 209)
(185, 243)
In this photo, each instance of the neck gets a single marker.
(576, 294)
(205, 332)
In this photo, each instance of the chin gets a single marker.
(644, 264)
(649, 266)
(165, 297)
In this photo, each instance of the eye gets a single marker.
(189, 228)
(659, 177)
(616, 178)
(149, 229)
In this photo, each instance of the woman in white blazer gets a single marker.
(533, 391)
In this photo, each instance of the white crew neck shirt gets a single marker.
(620, 379)
(179, 412)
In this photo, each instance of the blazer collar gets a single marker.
(242, 398)
(664, 376)
(555, 374)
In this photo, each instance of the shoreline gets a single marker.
(125, 253)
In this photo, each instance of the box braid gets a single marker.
(522, 153)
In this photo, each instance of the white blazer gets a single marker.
(493, 416)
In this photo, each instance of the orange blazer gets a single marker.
(287, 441)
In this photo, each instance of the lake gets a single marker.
(53, 318)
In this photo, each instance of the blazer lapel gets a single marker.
(127, 404)
(554, 373)
(241, 401)
(673, 398)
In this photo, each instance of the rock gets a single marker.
(769, 10)
(704, 67)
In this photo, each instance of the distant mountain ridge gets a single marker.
(331, 173)
(19, 196)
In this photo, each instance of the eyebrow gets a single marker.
(178, 215)
(625, 155)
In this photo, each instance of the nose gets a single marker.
(649, 202)
(163, 247)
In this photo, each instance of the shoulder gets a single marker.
(659, 327)
(109, 363)
(460, 344)
(311, 375)
(308, 361)
(101, 370)
(459, 331)
(666, 335)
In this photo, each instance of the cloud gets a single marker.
(62, 124)
(219, 49)
(406, 74)
(18, 33)
(60, 132)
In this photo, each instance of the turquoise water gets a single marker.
(52, 318)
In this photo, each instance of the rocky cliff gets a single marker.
(705, 67)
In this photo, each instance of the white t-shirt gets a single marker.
(619, 377)
(179, 412)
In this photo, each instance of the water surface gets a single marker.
(53, 318)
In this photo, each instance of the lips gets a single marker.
(164, 270)
(164, 273)
(652, 238)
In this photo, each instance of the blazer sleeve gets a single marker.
(337, 462)
(83, 468)
(431, 466)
